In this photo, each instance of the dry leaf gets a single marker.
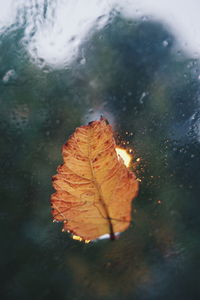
(94, 189)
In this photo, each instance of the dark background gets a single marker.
(129, 71)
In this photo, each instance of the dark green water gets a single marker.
(126, 72)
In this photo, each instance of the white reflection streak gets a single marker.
(181, 17)
(57, 39)
(56, 34)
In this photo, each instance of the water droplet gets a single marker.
(11, 74)
(144, 94)
(19, 116)
(165, 43)
(145, 18)
(93, 83)
(83, 61)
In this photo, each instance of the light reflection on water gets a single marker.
(54, 30)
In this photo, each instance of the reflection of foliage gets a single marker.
(152, 93)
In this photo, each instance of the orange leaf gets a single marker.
(94, 188)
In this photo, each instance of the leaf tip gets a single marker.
(104, 119)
